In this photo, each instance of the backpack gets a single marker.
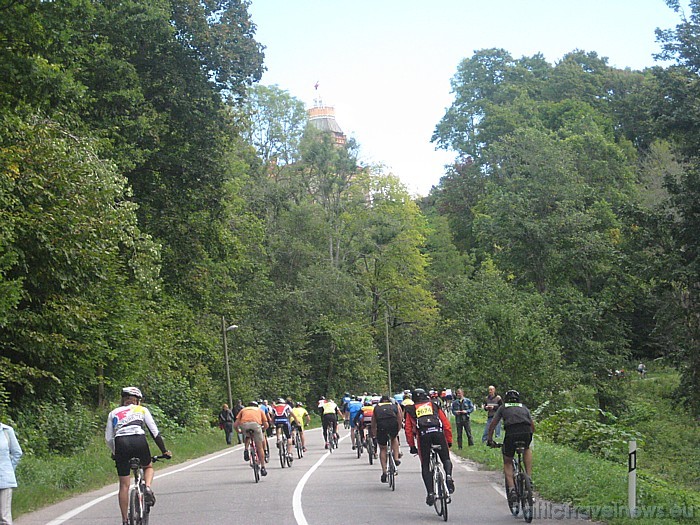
(427, 415)
(386, 411)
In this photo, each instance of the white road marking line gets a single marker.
(499, 489)
(65, 517)
(296, 498)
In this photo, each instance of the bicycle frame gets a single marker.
(138, 511)
(253, 455)
(522, 483)
(442, 497)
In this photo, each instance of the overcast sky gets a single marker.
(386, 65)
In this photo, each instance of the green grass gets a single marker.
(668, 463)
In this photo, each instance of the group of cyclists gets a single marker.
(422, 414)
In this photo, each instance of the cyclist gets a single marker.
(252, 418)
(300, 413)
(426, 421)
(387, 419)
(125, 434)
(267, 409)
(282, 414)
(353, 407)
(329, 418)
(364, 421)
(407, 401)
(344, 407)
(518, 426)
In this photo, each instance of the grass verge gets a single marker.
(592, 486)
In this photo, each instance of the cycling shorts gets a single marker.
(387, 430)
(127, 447)
(255, 427)
(509, 443)
(286, 428)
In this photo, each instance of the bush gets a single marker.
(588, 430)
(176, 399)
(56, 428)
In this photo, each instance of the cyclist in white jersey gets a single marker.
(125, 434)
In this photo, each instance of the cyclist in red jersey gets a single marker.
(427, 424)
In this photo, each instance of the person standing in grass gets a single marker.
(491, 404)
(10, 454)
(462, 407)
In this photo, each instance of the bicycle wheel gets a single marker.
(370, 449)
(526, 499)
(254, 463)
(438, 490)
(358, 444)
(297, 441)
(391, 471)
(134, 507)
(281, 451)
(514, 505)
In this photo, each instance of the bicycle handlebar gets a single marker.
(162, 456)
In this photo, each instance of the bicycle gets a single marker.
(523, 485)
(285, 458)
(331, 438)
(370, 446)
(391, 469)
(296, 441)
(253, 455)
(442, 495)
(139, 509)
(358, 442)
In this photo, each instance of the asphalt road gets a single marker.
(321, 488)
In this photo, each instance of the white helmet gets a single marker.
(131, 391)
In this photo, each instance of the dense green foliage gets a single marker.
(151, 193)
(595, 484)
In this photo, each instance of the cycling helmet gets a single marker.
(253, 404)
(131, 391)
(512, 396)
(420, 394)
(300, 404)
(281, 401)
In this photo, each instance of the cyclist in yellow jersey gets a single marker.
(329, 418)
(300, 413)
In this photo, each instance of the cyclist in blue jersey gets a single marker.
(353, 407)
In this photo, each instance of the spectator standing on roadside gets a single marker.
(491, 404)
(462, 407)
(226, 422)
(10, 454)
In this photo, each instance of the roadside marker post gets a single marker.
(632, 472)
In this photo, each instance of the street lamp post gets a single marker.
(388, 354)
(225, 329)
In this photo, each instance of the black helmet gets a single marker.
(420, 395)
(512, 396)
